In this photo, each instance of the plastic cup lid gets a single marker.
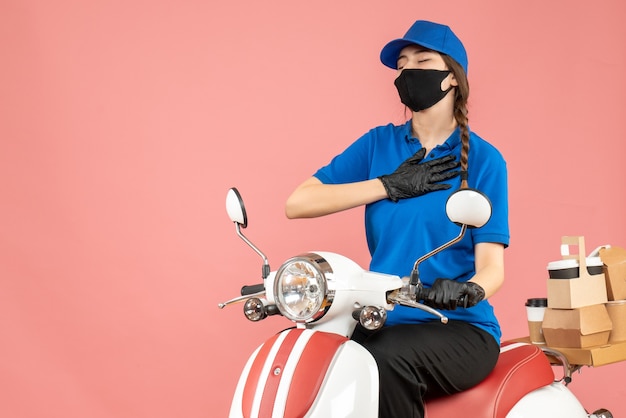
(537, 302)
(562, 264)
(594, 261)
(570, 262)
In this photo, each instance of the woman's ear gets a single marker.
(453, 81)
(449, 81)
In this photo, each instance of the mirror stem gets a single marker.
(415, 278)
(266, 266)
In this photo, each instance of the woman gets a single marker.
(403, 175)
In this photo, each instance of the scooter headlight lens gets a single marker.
(301, 288)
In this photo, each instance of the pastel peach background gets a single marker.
(123, 123)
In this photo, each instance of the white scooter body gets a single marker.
(315, 371)
(271, 385)
(555, 400)
(349, 387)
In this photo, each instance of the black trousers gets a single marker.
(421, 361)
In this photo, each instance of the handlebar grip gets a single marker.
(421, 293)
(251, 289)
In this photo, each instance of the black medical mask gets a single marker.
(420, 89)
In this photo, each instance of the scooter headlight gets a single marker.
(301, 288)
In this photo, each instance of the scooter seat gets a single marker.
(521, 368)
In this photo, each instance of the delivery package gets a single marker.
(617, 313)
(576, 280)
(614, 260)
(584, 327)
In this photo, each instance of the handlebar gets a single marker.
(421, 293)
(251, 289)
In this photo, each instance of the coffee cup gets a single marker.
(535, 308)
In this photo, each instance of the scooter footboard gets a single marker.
(304, 373)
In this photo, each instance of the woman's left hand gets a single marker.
(449, 294)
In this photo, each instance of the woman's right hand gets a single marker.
(412, 179)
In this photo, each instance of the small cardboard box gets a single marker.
(614, 260)
(577, 328)
(617, 313)
(596, 356)
(584, 290)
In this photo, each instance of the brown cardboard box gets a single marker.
(614, 259)
(577, 328)
(595, 356)
(617, 313)
(585, 290)
(591, 356)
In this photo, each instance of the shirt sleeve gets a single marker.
(491, 178)
(351, 165)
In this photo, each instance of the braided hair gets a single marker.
(461, 94)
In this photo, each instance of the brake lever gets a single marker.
(404, 299)
(240, 299)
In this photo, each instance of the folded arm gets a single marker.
(312, 198)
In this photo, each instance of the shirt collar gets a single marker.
(453, 141)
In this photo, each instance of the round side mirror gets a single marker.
(235, 208)
(468, 207)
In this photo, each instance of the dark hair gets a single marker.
(461, 94)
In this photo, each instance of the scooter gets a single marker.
(314, 370)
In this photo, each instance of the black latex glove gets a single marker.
(412, 179)
(450, 294)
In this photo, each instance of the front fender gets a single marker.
(306, 373)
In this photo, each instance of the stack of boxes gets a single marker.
(614, 260)
(577, 314)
